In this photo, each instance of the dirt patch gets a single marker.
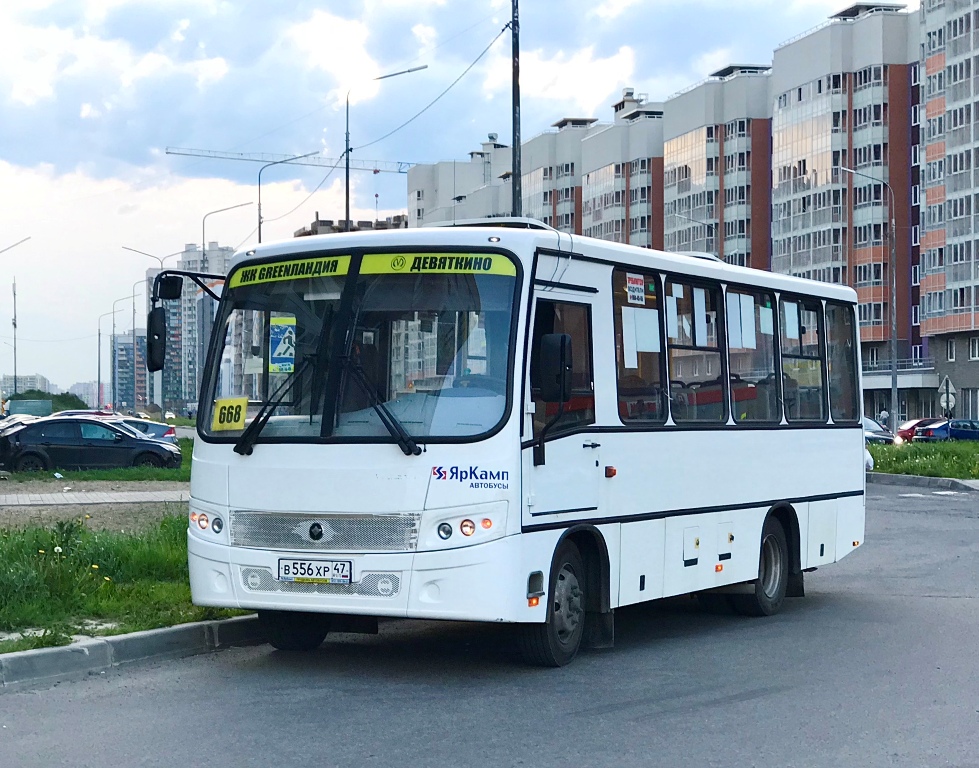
(98, 517)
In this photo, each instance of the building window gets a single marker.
(974, 348)
(915, 314)
(950, 350)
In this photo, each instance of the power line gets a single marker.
(432, 103)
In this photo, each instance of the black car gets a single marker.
(78, 442)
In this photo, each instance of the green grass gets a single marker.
(125, 474)
(958, 459)
(180, 421)
(57, 578)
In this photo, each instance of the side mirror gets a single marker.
(170, 287)
(118, 437)
(156, 339)
(555, 368)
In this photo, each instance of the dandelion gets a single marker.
(107, 578)
(88, 517)
(57, 550)
(95, 567)
(40, 551)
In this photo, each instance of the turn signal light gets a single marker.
(610, 472)
(486, 523)
(718, 568)
(193, 517)
(856, 543)
(533, 602)
(467, 527)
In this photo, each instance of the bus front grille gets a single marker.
(340, 532)
(370, 585)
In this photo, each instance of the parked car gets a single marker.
(155, 429)
(169, 415)
(963, 429)
(931, 433)
(875, 433)
(906, 430)
(80, 442)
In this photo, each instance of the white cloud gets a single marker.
(711, 61)
(88, 112)
(581, 78)
(611, 9)
(425, 35)
(178, 35)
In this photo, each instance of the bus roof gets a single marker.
(516, 236)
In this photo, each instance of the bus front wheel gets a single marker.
(294, 631)
(556, 642)
(773, 574)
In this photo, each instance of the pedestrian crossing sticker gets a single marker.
(282, 345)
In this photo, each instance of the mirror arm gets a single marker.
(539, 445)
(197, 277)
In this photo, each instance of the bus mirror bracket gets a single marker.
(168, 286)
(555, 382)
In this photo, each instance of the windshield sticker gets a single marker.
(282, 345)
(229, 414)
(476, 477)
(437, 263)
(291, 270)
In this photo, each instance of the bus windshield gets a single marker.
(387, 347)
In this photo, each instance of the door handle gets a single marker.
(591, 445)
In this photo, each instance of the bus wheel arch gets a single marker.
(600, 617)
(775, 559)
(787, 516)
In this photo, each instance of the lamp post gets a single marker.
(134, 342)
(711, 224)
(269, 165)
(158, 258)
(204, 236)
(98, 385)
(346, 145)
(14, 322)
(893, 302)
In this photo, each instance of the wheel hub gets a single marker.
(568, 610)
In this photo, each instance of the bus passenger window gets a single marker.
(802, 364)
(751, 341)
(841, 362)
(697, 386)
(574, 320)
(638, 359)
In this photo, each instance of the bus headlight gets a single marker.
(465, 526)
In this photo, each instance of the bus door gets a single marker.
(567, 482)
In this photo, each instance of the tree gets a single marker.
(63, 402)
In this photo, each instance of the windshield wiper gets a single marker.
(406, 442)
(247, 440)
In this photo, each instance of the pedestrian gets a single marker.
(884, 416)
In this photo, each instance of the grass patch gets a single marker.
(58, 578)
(182, 474)
(958, 459)
(180, 421)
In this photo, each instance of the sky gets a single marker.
(94, 92)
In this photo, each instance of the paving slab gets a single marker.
(69, 499)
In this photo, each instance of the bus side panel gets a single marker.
(850, 526)
(641, 570)
(821, 545)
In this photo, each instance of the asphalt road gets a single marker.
(877, 666)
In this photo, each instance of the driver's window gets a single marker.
(96, 432)
(574, 320)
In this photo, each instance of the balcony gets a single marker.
(916, 373)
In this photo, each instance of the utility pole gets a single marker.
(15, 335)
(515, 185)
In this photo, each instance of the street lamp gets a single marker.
(269, 165)
(138, 282)
(14, 322)
(711, 224)
(893, 309)
(346, 145)
(98, 392)
(159, 259)
(204, 236)
(4, 250)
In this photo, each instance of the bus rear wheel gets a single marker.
(773, 574)
(294, 631)
(556, 642)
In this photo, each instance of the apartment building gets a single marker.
(949, 159)
(717, 166)
(622, 186)
(130, 378)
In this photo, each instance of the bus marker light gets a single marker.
(445, 530)
(467, 527)
(193, 517)
(533, 602)
(202, 521)
(719, 567)
(610, 472)
(856, 543)
(486, 523)
(217, 525)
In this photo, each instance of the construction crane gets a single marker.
(375, 166)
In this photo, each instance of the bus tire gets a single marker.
(555, 643)
(773, 574)
(293, 630)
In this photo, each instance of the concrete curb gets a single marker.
(26, 669)
(918, 481)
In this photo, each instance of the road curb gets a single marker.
(26, 669)
(919, 481)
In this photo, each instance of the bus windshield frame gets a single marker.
(349, 319)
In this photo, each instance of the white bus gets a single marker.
(510, 424)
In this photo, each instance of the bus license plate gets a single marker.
(315, 571)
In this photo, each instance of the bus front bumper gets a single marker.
(482, 582)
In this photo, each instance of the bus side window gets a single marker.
(574, 320)
(698, 391)
(841, 362)
(802, 359)
(638, 356)
(751, 341)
